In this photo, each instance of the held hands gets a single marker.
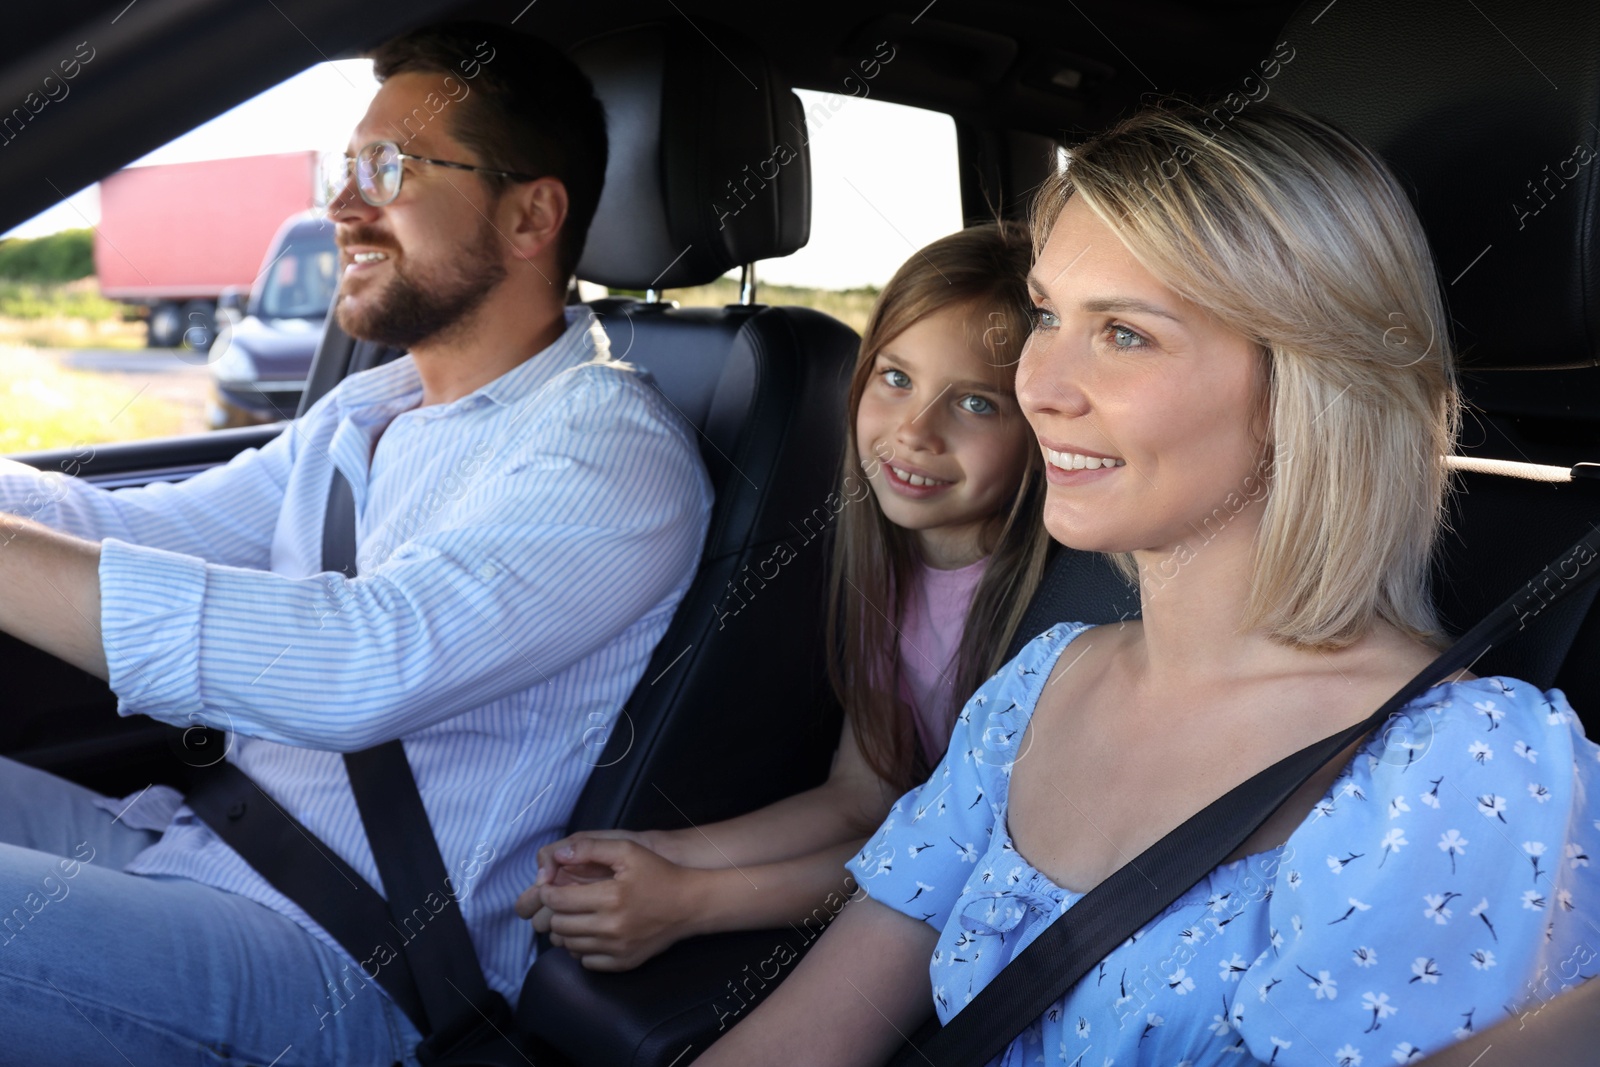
(609, 899)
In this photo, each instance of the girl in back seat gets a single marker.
(952, 522)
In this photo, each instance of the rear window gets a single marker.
(885, 181)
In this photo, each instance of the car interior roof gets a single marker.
(960, 59)
(993, 64)
(1037, 66)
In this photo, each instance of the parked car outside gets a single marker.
(260, 363)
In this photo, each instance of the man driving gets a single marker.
(529, 512)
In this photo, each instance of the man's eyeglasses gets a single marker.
(378, 169)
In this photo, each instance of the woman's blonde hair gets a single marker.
(1295, 235)
(981, 270)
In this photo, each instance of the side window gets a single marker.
(186, 291)
(299, 283)
(885, 181)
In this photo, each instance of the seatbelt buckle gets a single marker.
(491, 1041)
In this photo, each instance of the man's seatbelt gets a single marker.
(308, 873)
(415, 944)
(1142, 889)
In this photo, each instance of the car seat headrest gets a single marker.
(708, 164)
(1490, 113)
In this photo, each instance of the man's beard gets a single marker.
(411, 310)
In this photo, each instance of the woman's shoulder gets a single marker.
(1499, 745)
(1495, 728)
(1012, 691)
(990, 726)
(1448, 860)
(1044, 648)
(1487, 760)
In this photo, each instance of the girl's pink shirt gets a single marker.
(930, 635)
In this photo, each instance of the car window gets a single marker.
(300, 282)
(108, 305)
(884, 182)
(109, 316)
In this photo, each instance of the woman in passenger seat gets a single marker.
(939, 501)
(1241, 320)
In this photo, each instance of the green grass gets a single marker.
(66, 315)
(43, 405)
(849, 306)
(73, 300)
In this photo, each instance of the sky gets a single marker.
(883, 176)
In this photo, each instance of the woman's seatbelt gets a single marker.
(1136, 893)
(415, 942)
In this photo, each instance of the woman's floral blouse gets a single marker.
(1441, 884)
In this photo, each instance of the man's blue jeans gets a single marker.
(102, 967)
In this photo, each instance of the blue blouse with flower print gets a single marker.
(1441, 884)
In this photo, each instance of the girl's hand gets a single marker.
(613, 923)
(549, 861)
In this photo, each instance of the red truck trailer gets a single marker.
(173, 236)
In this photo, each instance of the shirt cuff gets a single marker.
(150, 601)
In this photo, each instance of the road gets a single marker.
(145, 361)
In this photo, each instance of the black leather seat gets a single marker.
(743, 718)
(733, 711)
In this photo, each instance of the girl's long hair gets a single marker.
(982, 270)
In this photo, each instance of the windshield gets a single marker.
(299, 284)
